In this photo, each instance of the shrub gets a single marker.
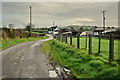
(11, 33)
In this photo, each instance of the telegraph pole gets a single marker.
(104, 19)
(30, 17)
(30, 26)
(53, 23)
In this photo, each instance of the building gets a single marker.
(51, 29)
(11, 25)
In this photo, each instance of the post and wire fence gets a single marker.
(105, 44)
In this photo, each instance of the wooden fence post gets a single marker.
(78, 41)
(86, 43)
(66, 39)
(111, 48)
(59, 37)
(90, 44)
(71, 39)
(62, 37)
(99, 43)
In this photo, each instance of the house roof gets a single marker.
(73, 30)
(98, 30)
(109, 30)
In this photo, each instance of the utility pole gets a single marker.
(53, 23)
(30, 26)
(104, 19)
(30, 17)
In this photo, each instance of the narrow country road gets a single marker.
(25, 60)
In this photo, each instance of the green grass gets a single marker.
(35, 32)
(104, 46)
(10, 42)
(79, 62)
(39, 33)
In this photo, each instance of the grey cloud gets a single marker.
(64, 13)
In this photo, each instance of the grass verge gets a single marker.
(79, 62)
(10, 42)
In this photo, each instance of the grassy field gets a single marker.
(10, 42)
(79, 62)
(104, 46)
(39, 33)
(35, 32)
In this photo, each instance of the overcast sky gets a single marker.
(63, 13)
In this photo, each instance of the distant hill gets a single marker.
(76, 27)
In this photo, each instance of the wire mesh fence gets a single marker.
(104, 45)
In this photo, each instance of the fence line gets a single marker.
(89, 43)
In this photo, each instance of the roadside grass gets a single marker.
(46, 48)
(104, 46)
(10, 42)
(79, 62)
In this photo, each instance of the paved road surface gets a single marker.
(25, 61)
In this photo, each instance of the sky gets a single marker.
(63, 13)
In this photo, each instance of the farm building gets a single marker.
(51, 29)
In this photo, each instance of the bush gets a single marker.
(11, 33)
